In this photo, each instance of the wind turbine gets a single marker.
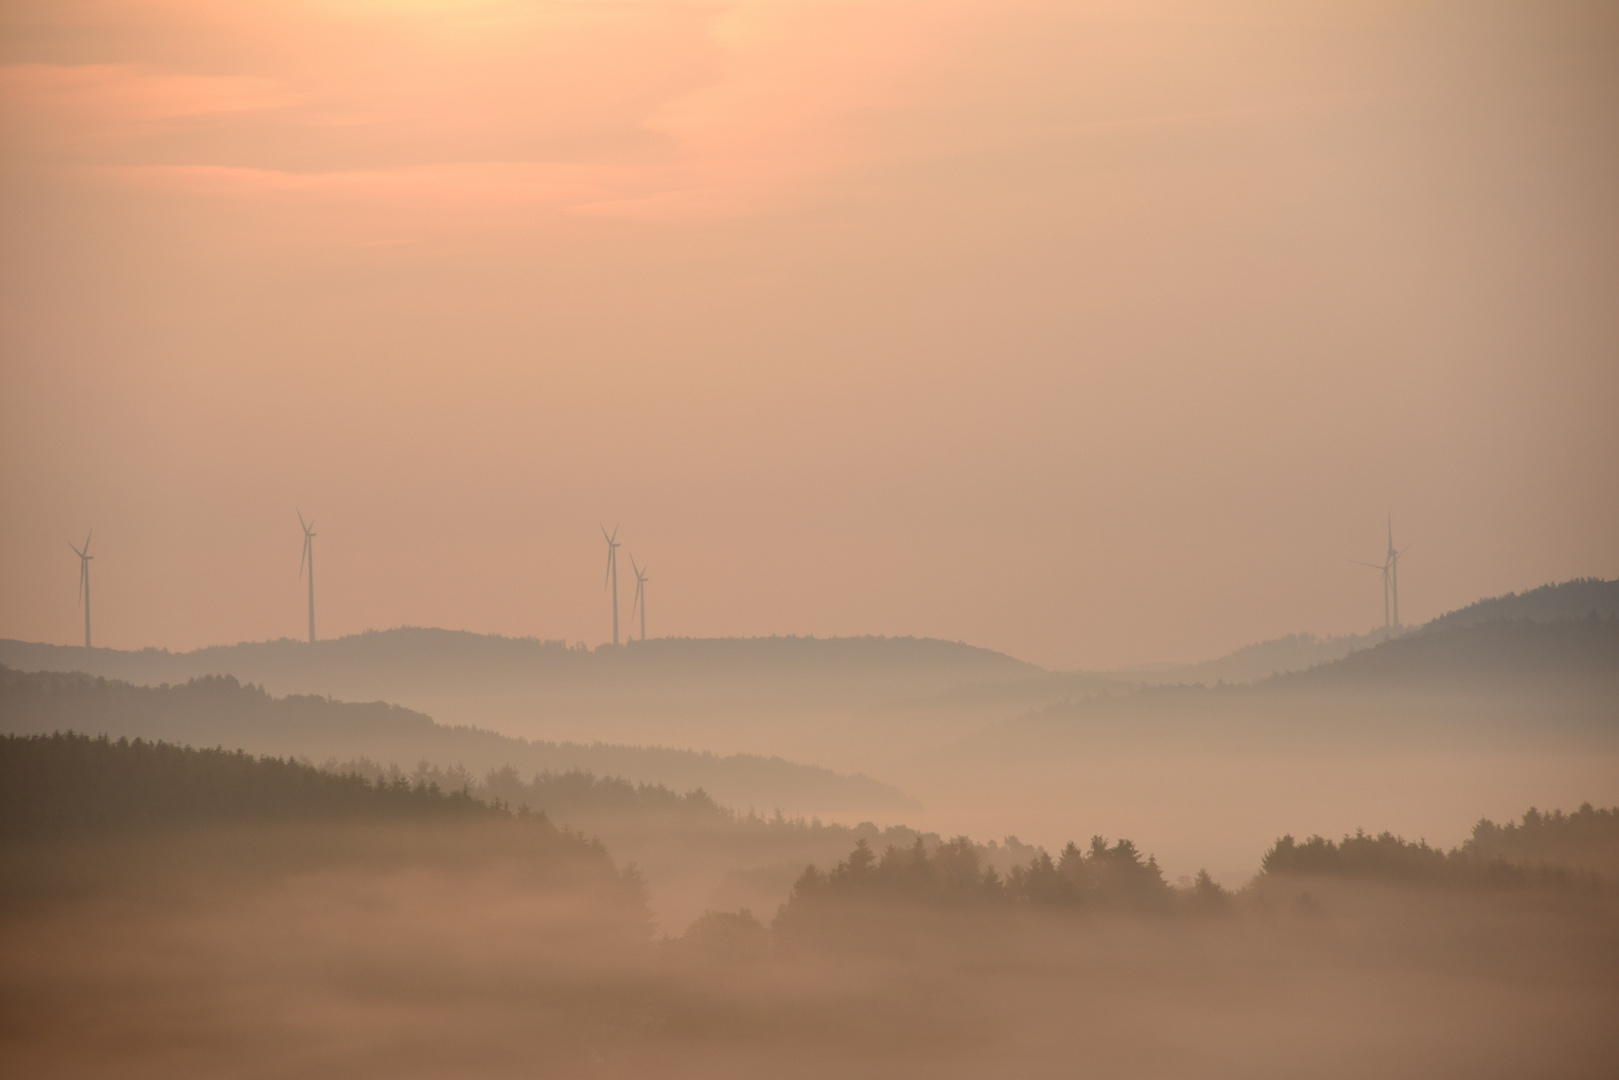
(612, 573)
(84, 580)
(1390, 566)
(1393, 561)
(640, 594)
(309, 557)
(1387, 568)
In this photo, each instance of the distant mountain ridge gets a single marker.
(1479, 654)
(1561, 602)
(382, 662)
(1501, 682)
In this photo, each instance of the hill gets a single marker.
(56, 784)
(1251, 663)
(1299, 652)
(828, 701)
(1500, 683)
(1518, 653)
(1575, 599)
(411, 661)
(221, 711)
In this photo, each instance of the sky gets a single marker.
(1097, 333)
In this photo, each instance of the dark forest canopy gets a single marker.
(563, 795)
(954, 875)
(1547, 850)
(1554, 848)
(53, 784)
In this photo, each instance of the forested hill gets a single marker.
(402, 663)
(1575, 599)
(1499, 653)
(220, 711)
(1504, 684)
(51, 784)
(1299, 652)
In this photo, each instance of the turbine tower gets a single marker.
(84, 580)
(612, 573)
(1393, 561)
(1390, 566)
(308, 557)
(640, 594)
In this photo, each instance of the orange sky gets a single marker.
(1099, 333)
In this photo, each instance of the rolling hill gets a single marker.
(221, 711)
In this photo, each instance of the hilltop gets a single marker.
(1299, 652)
(1575, 599)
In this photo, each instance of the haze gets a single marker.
(1098, 334)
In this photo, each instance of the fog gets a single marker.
(432, 961)
(990, 402)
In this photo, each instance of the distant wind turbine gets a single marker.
(1390, 566)
(308, 558)
(640, 594)
(84, 580)
(1393, 559)
(612, 573)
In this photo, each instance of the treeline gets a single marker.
(567, 794)
(1576, 599)
(954, 874)
(614, 809)
(1587, 838)
(1549, 849)
(1554, 850)
(61, 783)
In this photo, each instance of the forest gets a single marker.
(457, 909)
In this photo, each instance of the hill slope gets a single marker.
(220, 711)
(1501, 683)
(1575, 599)
(1298, 652)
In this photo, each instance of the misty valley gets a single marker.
(213, 864)
(809, 540)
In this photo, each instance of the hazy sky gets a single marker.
(1099, 333)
